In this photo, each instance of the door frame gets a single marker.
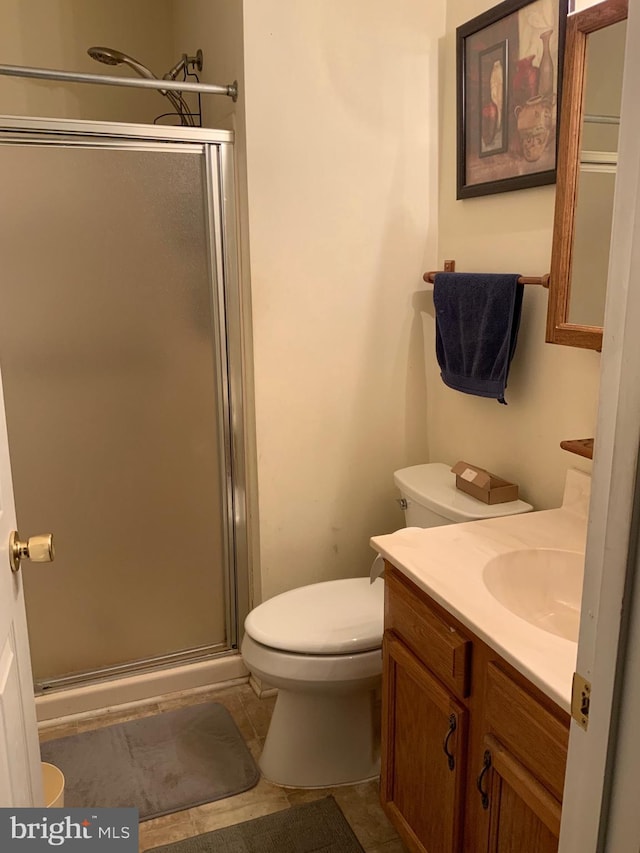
(592, 819)
(229, 305)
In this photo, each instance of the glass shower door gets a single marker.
(113, 358)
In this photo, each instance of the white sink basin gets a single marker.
(541, 585)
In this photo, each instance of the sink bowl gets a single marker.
(541, 585)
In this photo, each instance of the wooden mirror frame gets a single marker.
(579, 25)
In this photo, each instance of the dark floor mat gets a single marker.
(161, 764)
(316, 827)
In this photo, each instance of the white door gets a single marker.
(20, 776)
(594, 819)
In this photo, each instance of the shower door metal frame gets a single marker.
(221, 216)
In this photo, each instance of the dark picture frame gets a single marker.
(509, 74)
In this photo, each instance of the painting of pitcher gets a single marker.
(509, 65)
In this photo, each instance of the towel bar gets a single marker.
(450, 266)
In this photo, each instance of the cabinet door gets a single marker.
(522, 814)
(423, 747)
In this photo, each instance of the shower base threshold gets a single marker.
(139, 687)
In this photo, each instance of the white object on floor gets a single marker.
(53, 786)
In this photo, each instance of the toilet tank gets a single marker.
(430, 498)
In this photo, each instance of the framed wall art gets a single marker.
(509, 71)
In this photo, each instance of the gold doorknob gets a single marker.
(39, 549)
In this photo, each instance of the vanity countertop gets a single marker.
(448, 563)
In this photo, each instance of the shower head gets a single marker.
(105, 55)
(109, 56)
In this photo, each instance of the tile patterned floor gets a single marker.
(358, 802)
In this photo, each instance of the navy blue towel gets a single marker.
(477, 321)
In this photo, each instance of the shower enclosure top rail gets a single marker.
(231, 91)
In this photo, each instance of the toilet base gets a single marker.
(316, 741)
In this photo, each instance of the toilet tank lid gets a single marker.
(434, 486)
(337, 617)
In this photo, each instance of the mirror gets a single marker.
(587, 158)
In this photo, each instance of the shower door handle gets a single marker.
(39, 549)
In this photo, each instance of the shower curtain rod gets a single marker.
(230, 91)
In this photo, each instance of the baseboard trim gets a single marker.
(134, 691)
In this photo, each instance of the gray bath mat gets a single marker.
(160, 764)
(307, 828)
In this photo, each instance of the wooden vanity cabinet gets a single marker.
(473, 755)
(422, 785)
(522, 814)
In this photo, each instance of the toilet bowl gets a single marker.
(321, 646)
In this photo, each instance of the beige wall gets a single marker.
(552, 393)
(57, 33)
(342, 161)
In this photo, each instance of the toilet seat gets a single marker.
(294, 671)
(332, 618)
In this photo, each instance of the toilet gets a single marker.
(320, 645)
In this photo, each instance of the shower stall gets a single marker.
(120, 352)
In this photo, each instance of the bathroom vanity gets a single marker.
(473, 754)
(479, 650)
